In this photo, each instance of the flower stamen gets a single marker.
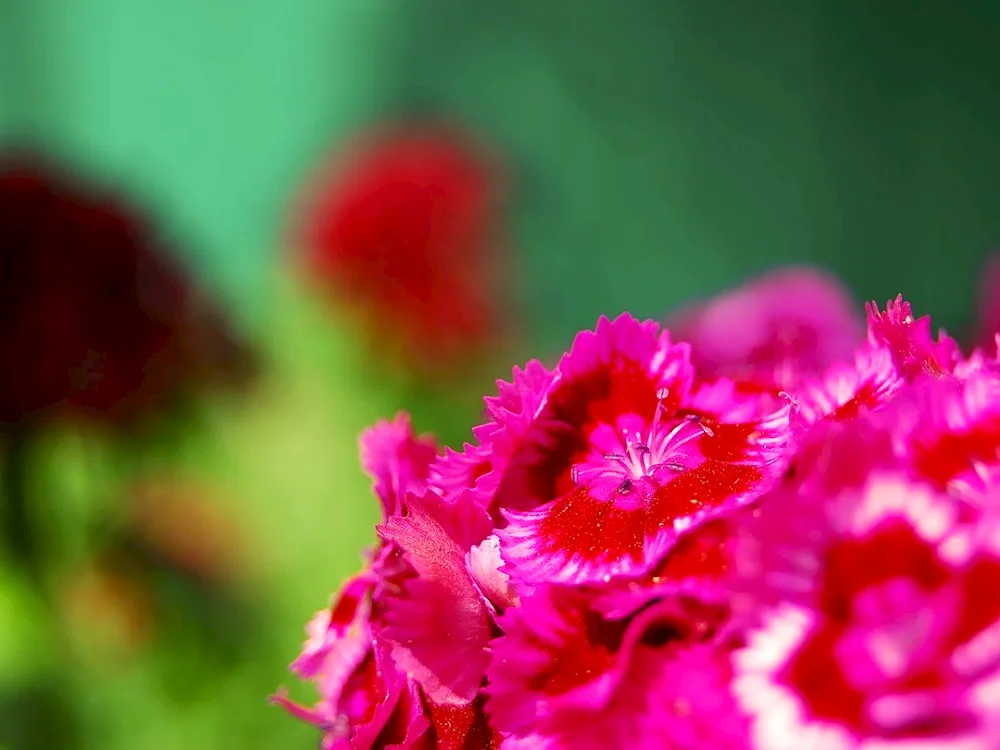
(643, 455)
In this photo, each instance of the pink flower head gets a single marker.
(569, 677)
(623, 453)
(774, 330)
(631, 555)
(910, 341)
(874, 621)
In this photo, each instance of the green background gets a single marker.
(661, 151)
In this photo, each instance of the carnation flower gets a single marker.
(625, 442)
(404, 227)
(875, 613)
(635, 553)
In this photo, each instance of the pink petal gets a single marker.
(554, 650)
(513, 413)
(483, 563)
(397, 460)
(438, 624)
(458, 471)
(462, 517)
(395, 719)
(575, 539)
(628, 348)
(367, 706)
(330, 628)
(833, 456)
(845, 390)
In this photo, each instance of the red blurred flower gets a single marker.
(93, 316)
(403, 226)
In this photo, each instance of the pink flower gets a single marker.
(630, 555)
(873, 620)
(773, 330)
(623, 452)
(566, 676)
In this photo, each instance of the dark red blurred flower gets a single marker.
(94, 317)
(403, 227)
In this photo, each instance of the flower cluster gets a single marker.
(633, 553)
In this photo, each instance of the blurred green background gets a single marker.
(661, 151)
